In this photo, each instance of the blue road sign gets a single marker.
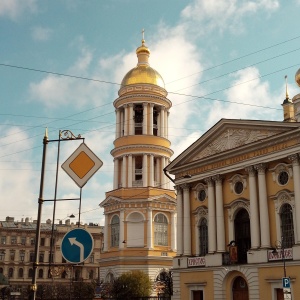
(286, 282)
(77, 245)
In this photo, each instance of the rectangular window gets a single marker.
(31, 256)
(3, 240)
(41, 257)
(91, 258)
(12, 255)
(197, 295)
(22, 255)
(42, 241)
(32, 241)
(51, 259)
(13, 240)
(23, 240)
(2, 255)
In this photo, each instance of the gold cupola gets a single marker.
(143, 73)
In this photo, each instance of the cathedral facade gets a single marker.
(238, 204)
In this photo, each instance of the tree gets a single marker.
(132, 284)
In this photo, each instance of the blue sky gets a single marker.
(219, 59)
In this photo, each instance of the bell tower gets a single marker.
(140, 211)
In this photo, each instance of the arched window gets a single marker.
(203, 237)
(160, 230)
(115, 231)
(30, 273)
(21, 272)
(41, 273)
(287, 226)
(10, 272)
(109, 278)
(242, 235)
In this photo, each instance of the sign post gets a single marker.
(286, 285)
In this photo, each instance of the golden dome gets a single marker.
(143, 73)
(297, 77)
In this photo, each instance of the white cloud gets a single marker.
(15, 8)
(19, 182)
(221, 15)
(254, 96)
(41, 33)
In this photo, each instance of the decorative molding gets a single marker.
(233, 138)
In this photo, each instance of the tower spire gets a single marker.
(286, 88)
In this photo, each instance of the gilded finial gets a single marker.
(286, 88)
(143, 36)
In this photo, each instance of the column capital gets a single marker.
(260, 168)
(125, 105)
(145, 103)
(294, 158)
(177, 188)
(151, 104)
(218, 178)
(130, 104)
(185, 186)
(209, 181)
(250, 170)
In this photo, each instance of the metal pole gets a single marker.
(54, 205)
(283, 256)
(33, 286)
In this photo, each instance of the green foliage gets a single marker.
(132, 284)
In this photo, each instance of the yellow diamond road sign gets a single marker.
(82, 165)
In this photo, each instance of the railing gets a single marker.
(137, 183)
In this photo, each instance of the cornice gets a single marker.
(130, 147)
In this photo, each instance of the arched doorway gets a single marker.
(242, 235)
(240, 289)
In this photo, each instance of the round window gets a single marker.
(283, 177)
(238, 187)
(201, 195)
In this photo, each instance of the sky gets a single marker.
(62, 61)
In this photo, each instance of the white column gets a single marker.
(125, 119)
(145, 170)
(151, 171)
(149, 230)
(263, 207)
(131, 121)
(124, 183)
(150, 131)
(186, 220)
(118, 123)
(173, 231)
(116, 173)
(166, 124)
(157, 172)
(122, 122)
(254, 216)
(179, 221)
(145, 118)
(197, 237)
(211, 216)
(129, 177)
(105, 248)
(162, 175)
(162, 121)
(121, 234)
(220, 215)
(296, 177)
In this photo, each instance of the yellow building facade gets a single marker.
(238, 204)
(140, 211)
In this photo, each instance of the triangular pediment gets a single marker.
(162, 197)
(228, 135)
(110, 200)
